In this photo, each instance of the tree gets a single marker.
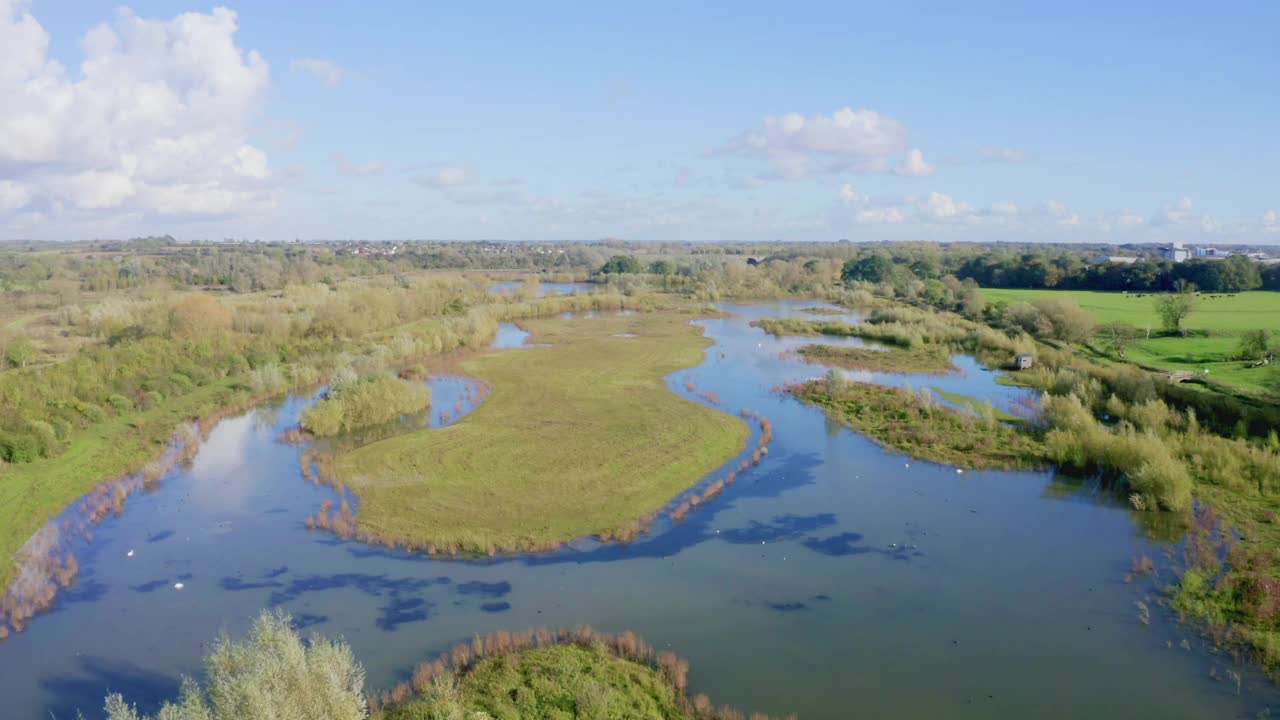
(200, 316)
(662, 267)
(1255, 345)
(1117, 336)
(872, 268)
(1174, 308)
(270, 674)
(622, 264)
(20, 351)
(1069, 322)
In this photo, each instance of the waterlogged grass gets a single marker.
(579, 438)
(928, 359)
(907, 422)
(978, 407)
(795, 326)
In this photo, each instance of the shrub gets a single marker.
(1067, 321)
(91, 412)
(120, 403)
(271, 674)
(199, 316)
(353, 404)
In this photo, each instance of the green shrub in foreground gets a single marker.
(270, 674)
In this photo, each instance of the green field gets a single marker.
(579, 438)
(1216, 325)
(1220, 313)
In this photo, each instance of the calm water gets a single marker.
(835, 580)
(544, 289)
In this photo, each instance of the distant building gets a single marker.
(1024, 362)
(1175, 252)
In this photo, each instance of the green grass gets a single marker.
(796, 326)
(1223, 314)
(580, 438)
(930, 359)
(900, 420)
(1215, 328)
(551, 683)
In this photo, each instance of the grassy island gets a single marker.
(579, 437)
(913, 423)
(924, 359)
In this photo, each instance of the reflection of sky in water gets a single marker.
(509, 336)
(546, 288)
(835, 570)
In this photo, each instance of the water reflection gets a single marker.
(834, 570)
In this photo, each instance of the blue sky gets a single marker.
(1117, 122)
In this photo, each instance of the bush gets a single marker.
(91, 412)
(1067, 321)
(354, 404)
(120, 403)
(19, 447)
(271, 674)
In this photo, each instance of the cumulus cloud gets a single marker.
(914, 165)
(998, 154)
(939, 207)
(326, 71)
(155, 120)
(863, 141)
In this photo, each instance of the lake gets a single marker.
(835, 580)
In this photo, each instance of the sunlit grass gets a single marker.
(579, 438)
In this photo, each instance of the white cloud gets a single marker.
(880, 216)
(449, 176)
(155, 120)
(998, 154)
(848, 195)
(863, 141)
(13, 195)
(1183, 214)
(326, 71)
(1123, 219)
(914, 165)
(1270, 221)
(1059, 213)
(1004, 209)
(354, 169)
(868, 210)
(938, 207)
